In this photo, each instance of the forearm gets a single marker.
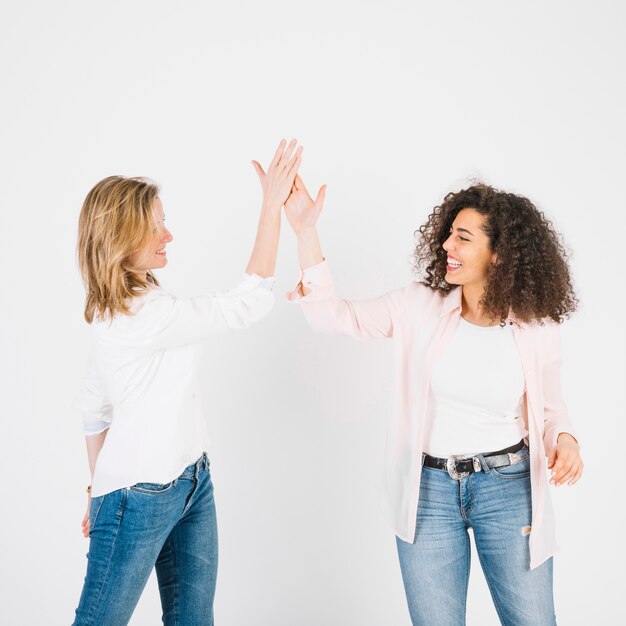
(263, 258)
(94, 445)
(309, 251)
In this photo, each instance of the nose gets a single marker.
(167, 236)
(447, 244)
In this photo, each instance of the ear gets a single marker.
(494, 258)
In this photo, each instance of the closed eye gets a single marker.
(461, 238)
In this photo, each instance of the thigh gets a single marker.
(501, 520)
(187, 565)
(127, 530)
(435, 568)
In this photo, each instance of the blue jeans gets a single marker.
(496, 504)
(171, 527)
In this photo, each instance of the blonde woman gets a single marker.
(150, 503)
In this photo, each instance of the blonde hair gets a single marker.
(116, 220)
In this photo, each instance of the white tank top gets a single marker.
(476, 392)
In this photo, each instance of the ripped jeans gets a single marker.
(435, 569)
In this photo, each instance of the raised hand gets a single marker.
(279, 180)
(300, 209)
(276, 185)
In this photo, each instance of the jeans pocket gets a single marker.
(521, 469)
(153, 488)
(94, 508)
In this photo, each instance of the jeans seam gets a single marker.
(491, 591)
(470, 483)
(468, 556)
(97, 512)
(119, 515)
(175, 608)
(461, 507)
(464, 511)
(194, 489)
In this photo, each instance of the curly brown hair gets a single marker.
(530, 276)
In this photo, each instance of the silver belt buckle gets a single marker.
(451, 467)
(513, 458)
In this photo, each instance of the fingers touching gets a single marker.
(278, 182)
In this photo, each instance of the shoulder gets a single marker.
(544, 336)
(435, 299)
(150, 302)
(423, 303)
(541, 329)
(421, 291)
(144, 307)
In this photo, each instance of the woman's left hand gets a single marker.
(564, 461)
(301, 210)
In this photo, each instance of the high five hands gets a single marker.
(283, 186)
(279, 180)
(301, 210)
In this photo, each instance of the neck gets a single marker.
(141, 274)
(471, 310)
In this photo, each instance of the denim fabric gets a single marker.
(496, 505)
(171, 527)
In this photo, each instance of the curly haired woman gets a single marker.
(477, 406)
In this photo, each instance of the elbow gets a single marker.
(252, 312)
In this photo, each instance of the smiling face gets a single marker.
(152, 255)
(469, 250)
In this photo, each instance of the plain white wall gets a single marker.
(396, 103)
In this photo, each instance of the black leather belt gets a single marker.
(459, 466)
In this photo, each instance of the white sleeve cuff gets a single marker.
(252, 281)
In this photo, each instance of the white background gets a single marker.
(396, 103)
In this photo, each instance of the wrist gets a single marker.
(306, 233)
(271, 209)
(567, 438)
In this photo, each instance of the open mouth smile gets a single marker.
(453, 264)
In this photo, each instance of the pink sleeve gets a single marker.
(361, 319)
(556, 418)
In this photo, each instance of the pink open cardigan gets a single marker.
(421, 321)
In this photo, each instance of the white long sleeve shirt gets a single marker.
(142, 380)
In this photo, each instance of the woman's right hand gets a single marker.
(85, 522)
(279, 180)
(301, 210)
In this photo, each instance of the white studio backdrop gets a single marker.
(396, 103)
